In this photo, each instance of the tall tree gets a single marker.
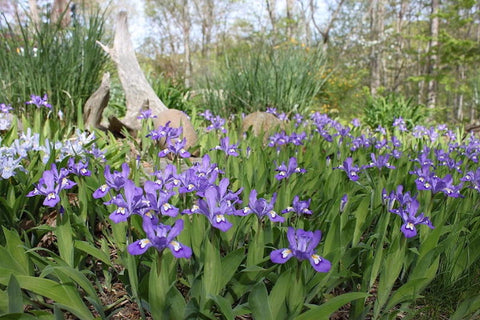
(433, 53)
(377, 26)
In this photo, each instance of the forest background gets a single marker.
(426, 51)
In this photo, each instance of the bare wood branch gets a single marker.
(138, 91)
(98, 101)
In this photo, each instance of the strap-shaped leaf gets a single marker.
(258, 302)
(324, 311)
(64, 294)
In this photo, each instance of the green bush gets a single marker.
(383, 110)
(287, 77)
(64, 63)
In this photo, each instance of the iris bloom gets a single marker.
(213, 209)
(299, 206)
(115, 180)
(39, 101)
(146, 114)
(229, 149)
(379, 161)
(262, 207)
(50, 185)
(165, 132)
(132, 203)
(410, 220)
(350, 169)
(176, 147)
(80, 168)
(286, 171)
(157, 199)
(160, 237)
(217, 123)
(302, 245)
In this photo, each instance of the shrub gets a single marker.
(383, 110)
(64, 63)
(286, 77)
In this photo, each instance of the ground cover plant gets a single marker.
(320, 219)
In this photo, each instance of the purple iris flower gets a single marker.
(191, 181)
(283, 116)
(397, 196)
(157, 199)
(297, 139)
(115, 180)
(350, 169)
(39, 101)
(302, 246)
(132, 203)
(5, 108)
(177, 148)
(50, 185)
(381, 130)
(400, 124)
(272, 110)
(299, 206)
(217, 123)
(395, 142)
(207, 114)
(146, 114)
(285, 172)
(167, 178)
(410, 219)
(298, 118)
(449, 188)
(473, 178)
(229, 149)
(213, 209)
(228, 196)
(356, 122)
(165, 132)
(206, 167)
(278, 139)
(160, 237)
(261, 207)
(379, 161)
(80, 168)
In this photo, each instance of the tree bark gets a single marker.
(60, 10)
(433, 63)
(34, 12)
(377, 28)
(138, 92)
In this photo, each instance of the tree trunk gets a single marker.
(186, 26)
(34, 12)
(377, 28)
(60, 10)
(433, 64)
(138, 92)
(271, 4)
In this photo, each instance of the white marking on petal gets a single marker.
(176, 245)
(143, 243)
(316, 258)
(286, 253)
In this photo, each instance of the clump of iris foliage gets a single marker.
(323, 216)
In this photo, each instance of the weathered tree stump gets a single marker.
(138, 91)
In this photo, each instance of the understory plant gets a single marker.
(288, 77)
